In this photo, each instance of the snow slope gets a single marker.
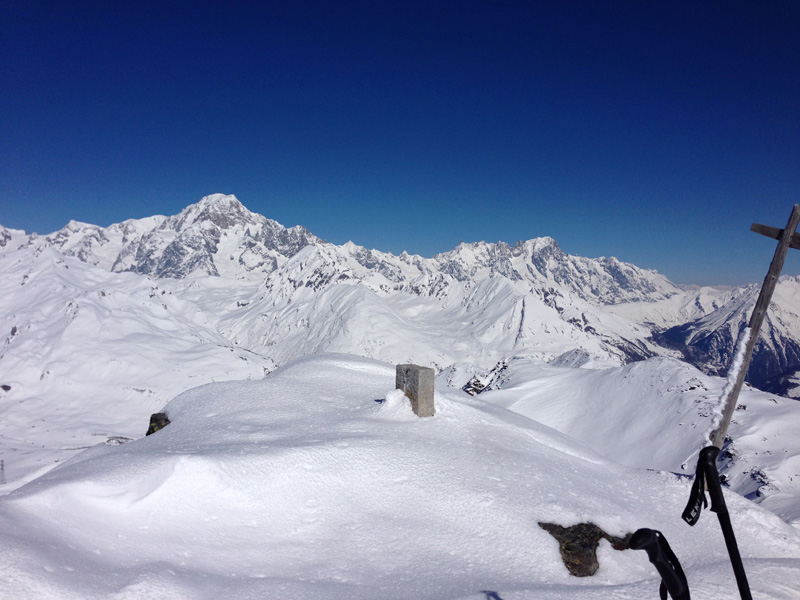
(704, 325)
(97, 337)
(656, 414)
(301, 479)
(89, 355)
(302, 485)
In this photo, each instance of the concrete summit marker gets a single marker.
(417, 383)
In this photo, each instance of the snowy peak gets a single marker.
(477, 261)
(543, 264)
(222, 210)
(10, 238)
(217, 236)
(531, 298)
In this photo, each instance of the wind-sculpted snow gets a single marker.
(318, 482)
(88, 355)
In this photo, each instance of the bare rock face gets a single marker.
(578, 545)
(157, 421)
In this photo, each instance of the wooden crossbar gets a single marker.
(775, 234)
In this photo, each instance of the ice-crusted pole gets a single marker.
(736, 371)
(747, 339)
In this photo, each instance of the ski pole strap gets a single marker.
(666, 563)
(706, 470)
(697, 498)
(709, 458)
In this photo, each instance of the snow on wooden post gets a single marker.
(416, 383)
(787, 238)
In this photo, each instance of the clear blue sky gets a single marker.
(653, 131)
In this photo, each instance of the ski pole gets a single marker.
(707, 475)
(666, 563)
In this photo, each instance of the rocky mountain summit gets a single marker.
(479, 303)
(217, 236)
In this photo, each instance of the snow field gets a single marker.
(303, 485)
(94, 354)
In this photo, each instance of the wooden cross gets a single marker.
(787, 238)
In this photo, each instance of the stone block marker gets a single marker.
(417, 383)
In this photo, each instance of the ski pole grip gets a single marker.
(708, 456)
(673, 580)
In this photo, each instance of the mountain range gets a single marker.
(104, 326)
(568, 389)
(480, 303)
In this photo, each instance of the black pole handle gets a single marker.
(666, 563)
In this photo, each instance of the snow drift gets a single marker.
(306, 485)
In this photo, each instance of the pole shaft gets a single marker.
(733, 552)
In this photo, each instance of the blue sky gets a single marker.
(652, 131)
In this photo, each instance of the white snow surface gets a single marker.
(89, 355)
(303, 485)
(300, 484)
(655, 414)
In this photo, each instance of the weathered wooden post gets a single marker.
(416, 383)
(787, 238)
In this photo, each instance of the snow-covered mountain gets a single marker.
(217, 236)
(549, 299)
(477, 303)
(708, 341)
(575, 364)
(142, 310)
